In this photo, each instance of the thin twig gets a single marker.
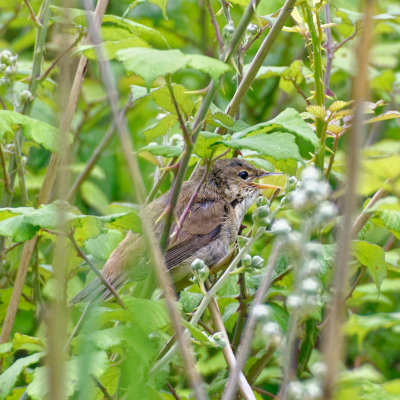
(258, 60)
(244, 386)
(186, 211)
(333, 338)
(260, 364)
(360, 274)
(102, 388)
(366, 214)
(264, 392)
(103, 280)
(185, 132)
(32, 14)
(344, 41)
(173, 391)
(230, 388)
(242, 311)
(95, 156)
(6, 178)
(332, 157)
(59, 57)
(216, 27)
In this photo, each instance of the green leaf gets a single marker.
(287, 121)
(211, 66)
(103, 245)
(384, 81)
(94, 196)
(160, 128)
(373, 257)
(111, 47)
(277, 145)
(22, 223)
(163, 98)
(138, 92)
(267, 71)
(361, 325)
(189, 300)
(33, 129)
(260, 163)
(95, 364)
(151, 63)
(205, 144)
(10, 375)
(293, 76)
(163, 150)
(198, 334)
(150, 315)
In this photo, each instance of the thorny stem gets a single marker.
(333, 339)
(329, 52)
(318, 79)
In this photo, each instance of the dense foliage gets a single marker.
(172, 73)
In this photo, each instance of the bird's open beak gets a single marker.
(264, 186)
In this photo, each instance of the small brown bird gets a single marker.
(207, 232)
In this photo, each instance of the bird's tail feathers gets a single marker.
(96, 290)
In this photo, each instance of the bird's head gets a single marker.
(235, 178)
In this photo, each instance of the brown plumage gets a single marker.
(210, 227)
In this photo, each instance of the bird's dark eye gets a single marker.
(243, 174)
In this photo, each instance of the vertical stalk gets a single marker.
(333, 337)
(316, 41)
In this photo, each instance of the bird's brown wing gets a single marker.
(202, 225)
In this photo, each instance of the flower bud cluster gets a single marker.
(227, 32)
(271, 331)
(200, 271)
(310, 191)
(308, 390)
(218, 340)
(8, 63)
(307, 296)
(261, 214)
(252, 263)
